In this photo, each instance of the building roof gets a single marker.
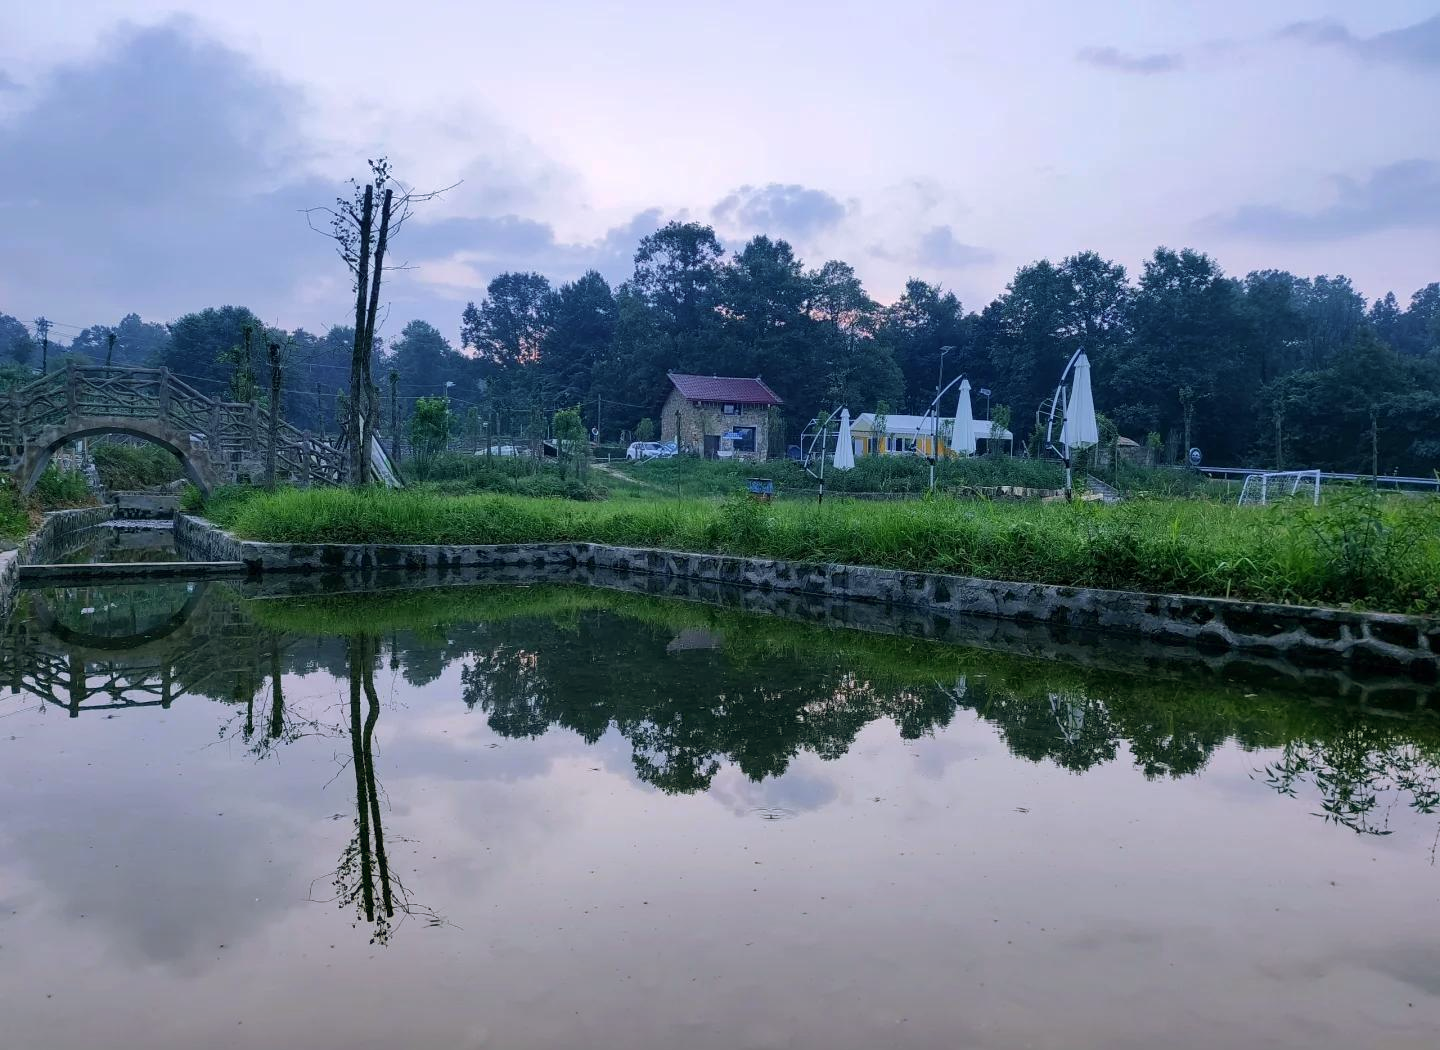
(920, 426)
(726, 389)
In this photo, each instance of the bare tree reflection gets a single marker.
(363, 879)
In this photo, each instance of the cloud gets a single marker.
(788, 210)
(460, 256)
(7, 82)
(154, 173)
(940, 248)
(1118, 61)
(1417, 45)
(167, 172)
(1404, 195)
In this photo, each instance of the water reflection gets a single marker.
(691, 690)
(663, 823)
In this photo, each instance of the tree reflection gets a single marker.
(756, 694)
(363, 878)
(1360, 773)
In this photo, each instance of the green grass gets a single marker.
(126, 467)
(459, 474)
(904, 476)
(14, 514)
(1370, 553)
(895, 475)
(54, 490)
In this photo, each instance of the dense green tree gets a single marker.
(137, 342)
(425, 362)
(1184, 373)
(767, 330)
(1419, 333)
(582, 322)
(509, 326)
(915, 328)
(201, 344)
(16, 345)
(677, 270)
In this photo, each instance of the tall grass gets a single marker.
(1277, 554)
(54, 490)
(897, 475)
(14, 515)
(124, 467)
(907, 475)
(458, 474)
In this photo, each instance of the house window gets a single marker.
(746, 441)
(730, 410)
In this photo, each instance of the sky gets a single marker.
(157, 156)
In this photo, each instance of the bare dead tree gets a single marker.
(363, 238)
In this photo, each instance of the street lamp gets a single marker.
(448, 384)
(935, 424)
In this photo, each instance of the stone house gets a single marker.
(719, 417)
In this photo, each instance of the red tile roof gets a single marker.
(728, 389)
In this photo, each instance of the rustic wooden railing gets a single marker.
(234, 436)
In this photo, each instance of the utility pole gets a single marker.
(42, 325)
(597, 417)
(109, 347)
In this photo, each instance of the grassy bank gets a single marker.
(54, 490)
(897, 476)
(1374, 554)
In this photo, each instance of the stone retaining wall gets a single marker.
(1376, 645)
(60, 532)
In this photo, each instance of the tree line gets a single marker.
(1269, 369)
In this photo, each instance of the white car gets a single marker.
(650, 450)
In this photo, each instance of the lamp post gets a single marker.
(935, 423)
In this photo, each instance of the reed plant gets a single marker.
(1384, 556)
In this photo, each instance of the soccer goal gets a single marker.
(1262, 489)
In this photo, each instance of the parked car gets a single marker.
(650, 450)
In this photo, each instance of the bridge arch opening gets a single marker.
(38, 457)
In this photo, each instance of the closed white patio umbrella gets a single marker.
(1080, 429)
(844, 444)
(962, 437)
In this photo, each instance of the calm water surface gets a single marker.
(560, 817)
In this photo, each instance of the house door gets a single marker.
(712, 445)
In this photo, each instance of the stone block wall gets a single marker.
(1368, 644)
(59, 533)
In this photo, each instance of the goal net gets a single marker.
(1262, 489)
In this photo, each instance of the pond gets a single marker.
(558, 816)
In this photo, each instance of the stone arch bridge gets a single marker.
(215, 441)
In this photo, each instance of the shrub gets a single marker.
(61, 488)
(14, 516)
(123, 467)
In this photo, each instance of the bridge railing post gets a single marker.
(72, 389)
(307, 457)
(165, 394)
